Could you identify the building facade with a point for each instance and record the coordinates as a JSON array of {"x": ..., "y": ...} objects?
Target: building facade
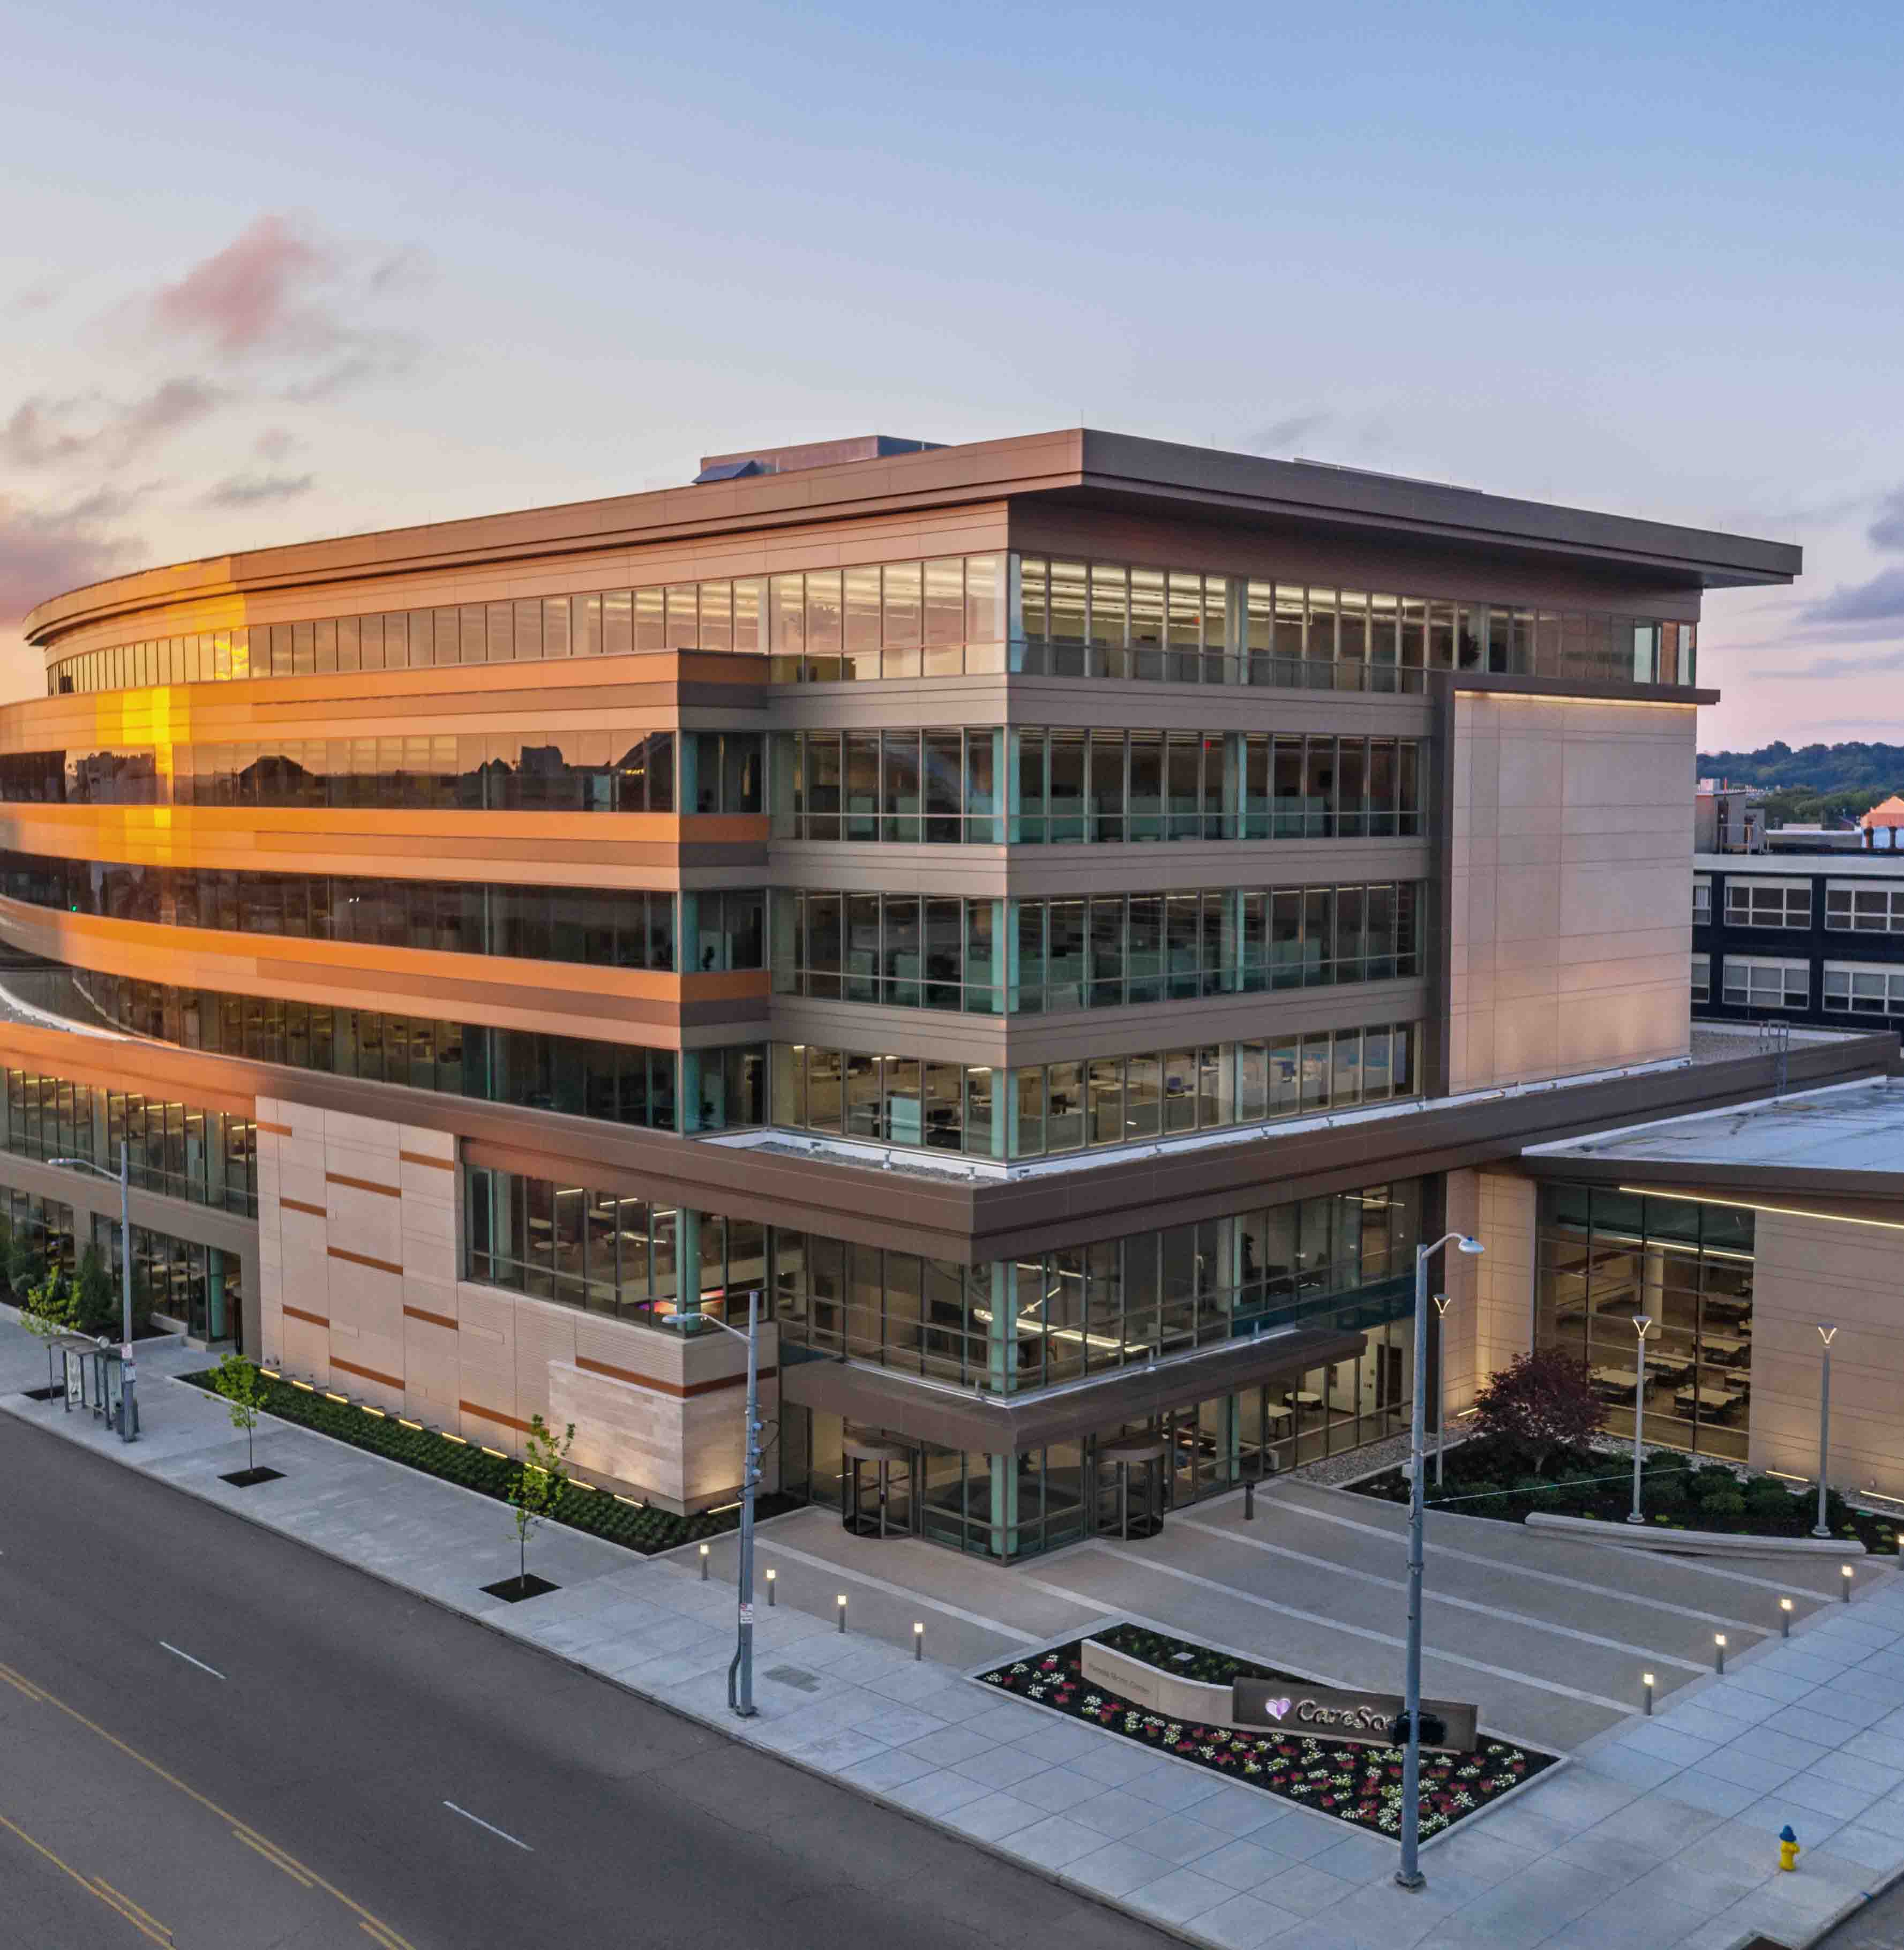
[
  {"x": 1802, "y": 940},
  {"x": 1061, "y": 918}
]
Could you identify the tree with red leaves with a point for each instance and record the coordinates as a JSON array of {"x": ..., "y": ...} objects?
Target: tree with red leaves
[{"x": 1541, "y": 1402}]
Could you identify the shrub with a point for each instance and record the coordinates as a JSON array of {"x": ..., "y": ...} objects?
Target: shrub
[
  {"x": 25, "y": 1267},
  {"x": 1770, "y": 1500},
  {"x": 1725, "y": 1503},
  {"x": 97, "y": 1305},
  {"x": 1543, "y": 1402}
]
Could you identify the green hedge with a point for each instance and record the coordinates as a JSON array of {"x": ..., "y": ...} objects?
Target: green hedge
[
  {"x": 636, "y": 1526},
  {"x": 1483, "y": 1479}
]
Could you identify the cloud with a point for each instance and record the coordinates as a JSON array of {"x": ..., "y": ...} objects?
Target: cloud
[
  {"x": 1836, "y": 665},
  {"x": 274, "y": 443},
  {"x": 252, "y": 490},
  {"x": 44, "y": 551},
  {"x": 1887, "y": 531},
  {"x": 1282, "y": 436},
  {"x": 36, "y": 297},
  {"x": 250, "y": 296},
  {"x": 284, "y": 307},
  {"x": 42, "y": 432},
  {"x": 1880, "y": 600}
]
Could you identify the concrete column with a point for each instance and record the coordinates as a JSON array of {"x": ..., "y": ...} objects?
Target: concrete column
[
  {"x": 1001, "y": 785},
  {"x": 687, "y": 1265},
  {"x": 1005, "y": 1505},
  {"x": 688, "y": 797},
  {"x": 1005, "y": 957},
  {"x": 1233, "y": 783},
  {"x": 688, "y": 1094}
]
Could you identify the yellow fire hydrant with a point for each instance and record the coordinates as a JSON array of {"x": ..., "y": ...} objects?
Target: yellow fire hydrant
[{"x": 1787, "y": 1847}]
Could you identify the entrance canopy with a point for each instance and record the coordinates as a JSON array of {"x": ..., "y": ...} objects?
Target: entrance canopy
[{"x": 953, "y": 1418}]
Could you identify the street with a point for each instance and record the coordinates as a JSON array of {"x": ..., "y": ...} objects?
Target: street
[{"x": 215, "y": 1737}]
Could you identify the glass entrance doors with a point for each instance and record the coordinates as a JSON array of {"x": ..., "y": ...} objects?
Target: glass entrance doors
[
  {"x": 1130, "y": 1486},
  {"x": 877, "y": 1483}
]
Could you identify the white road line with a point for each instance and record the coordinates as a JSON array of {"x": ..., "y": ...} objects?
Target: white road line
[
  {"x": 776, "y": 1549},
  {"x": 190, "y": 1660},
  {"x": 1648, "y": 1653},
  {"x": 1518, "y": 1570},
  {"x": 502, "y": 1832},
  {"x": 1622, "y": 1707}
]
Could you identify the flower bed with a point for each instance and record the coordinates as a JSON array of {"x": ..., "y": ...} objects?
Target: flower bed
[
  {"x": 1360, "y": 1784},
  {"x": 1482, "y": 1479},
  {"x": 601, "y": 1513}
]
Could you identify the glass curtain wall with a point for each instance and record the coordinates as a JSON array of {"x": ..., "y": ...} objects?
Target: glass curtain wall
[{"x": 1607, "y": 1256}]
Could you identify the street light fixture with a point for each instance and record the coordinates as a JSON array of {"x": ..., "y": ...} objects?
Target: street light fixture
[
  {"x": 1642, "y": 1323},
  {"x": 1409, "y": 1876},
  {"x": 1443, "y": 1301},
  {"x": 128, "y": 1402},
  {"x": 1820, "y": 1527},
  {"x": 741, "y": 1670}
]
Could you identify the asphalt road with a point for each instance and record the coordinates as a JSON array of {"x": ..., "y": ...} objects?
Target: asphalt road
[
  {"x": 209, "y": 1736},
  {"x": 1878, "y": 1926}
]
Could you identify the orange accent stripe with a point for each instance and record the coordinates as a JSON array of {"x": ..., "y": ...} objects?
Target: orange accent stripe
[
  {"x": 276, "y": 1130},
  {"x": 298, "y": 1205},
  {"x": 362, "y": 1185},
  {"x": 363, "y": 1259},
  {"x": 493, "y": 1415},
  {"x": 656, "y": 1385},
  {"x": 434, "y": 1320},
  {"x": 369, "y": 1374},
  {"x": 434, "y": 1163},
  {"x": 315, "y": 1319}
]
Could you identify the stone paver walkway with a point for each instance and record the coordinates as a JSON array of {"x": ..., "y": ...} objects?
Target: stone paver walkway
[{"x": 1659, "y": 1832}]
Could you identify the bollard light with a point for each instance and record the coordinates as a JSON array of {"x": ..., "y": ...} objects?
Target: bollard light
[
  {"x": 1718, "y": 1652},
  {"x": 1784, "y": 1617},
  {"x": 703, "y": 1564},
  {"x": 1847, "y": 1575},
  {"x": 1646, "y": 1680},
  {"x": 918, "y": 1639},
  {"x": 1249, "y": 1502},
  {"x": 840, "y": 1603},
  {"x": 771, "y": 1577}
]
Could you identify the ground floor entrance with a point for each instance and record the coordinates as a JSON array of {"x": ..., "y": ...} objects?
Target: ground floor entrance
[{"x": 1121, "y": 1481}]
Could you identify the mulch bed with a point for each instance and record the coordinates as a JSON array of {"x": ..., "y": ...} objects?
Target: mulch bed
[{"x": 1358, "y": 1784}]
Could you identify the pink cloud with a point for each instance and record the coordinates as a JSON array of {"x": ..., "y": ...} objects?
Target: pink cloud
[{"x": 250, "y": 297}]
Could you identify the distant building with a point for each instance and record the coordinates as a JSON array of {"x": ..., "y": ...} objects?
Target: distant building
[
  {"x": 1880, "y": 824},
  {"x": 1725, "y": 820}
]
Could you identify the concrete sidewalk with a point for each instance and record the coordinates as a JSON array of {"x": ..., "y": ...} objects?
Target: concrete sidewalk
[{"x": 1659, "y": 1832}]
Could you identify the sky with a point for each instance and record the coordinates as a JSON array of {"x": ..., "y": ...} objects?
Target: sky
[{"x": 273, "y": 273}]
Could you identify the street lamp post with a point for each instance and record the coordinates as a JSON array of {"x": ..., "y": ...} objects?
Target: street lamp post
[
  {"x": 1442, "y": 1302},
  {"x": 1641, "y": 1322},
  {"x": 1409, "y": 1876},
  {"x": 741, "y": 1670},
  {"x": 128, "y": 1402},
  {"x": 1821, "y": 1528}
]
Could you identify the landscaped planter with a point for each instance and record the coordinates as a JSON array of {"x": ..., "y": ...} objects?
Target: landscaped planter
[
  {"x": 1682, "y": 1499},
  {"x": 603, "y": 1513},
  {"x": 1358, "y": 1784}
]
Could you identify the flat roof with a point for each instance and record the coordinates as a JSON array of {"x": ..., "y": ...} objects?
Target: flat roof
[
  {"x": 1888, "y": 863},
  {"x": 1080, "y": 463},
  {"x": 1844, "y": 1130}
]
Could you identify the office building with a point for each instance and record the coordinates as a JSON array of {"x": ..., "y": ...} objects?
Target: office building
[{"x": 1062, "y": 917}]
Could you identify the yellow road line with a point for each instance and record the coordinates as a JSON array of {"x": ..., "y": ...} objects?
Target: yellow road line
[
  {"x": 40, "y": 1847},
  {"x": 130, "y": 1909},
  {"x": 20, "y": 1685},
  {"x": 272, "y": 1856},
  {"x": 242, "y": 1829},
  {"x": 383, "y": 1936}
]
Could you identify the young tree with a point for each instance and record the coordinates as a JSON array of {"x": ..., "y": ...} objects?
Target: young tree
[
  {"x": 245, "y": 1390},
  {"x": 1543, "y": 1401},
  {"x": 96, "y": 1305},
  {"x": 536, "y": 1486},
  {"x": 26, "y": 1267},
  {"x": 47, "y": 1310}
]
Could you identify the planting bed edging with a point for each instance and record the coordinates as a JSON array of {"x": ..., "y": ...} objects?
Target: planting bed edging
[{"x": 1642, "y": 1537}]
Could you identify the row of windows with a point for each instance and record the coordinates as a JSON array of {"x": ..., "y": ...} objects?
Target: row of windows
[
  {"x": 1004, "y": 1326},
  {"x": 1024, "y": 957},
  {"x": 208, "y": 1157},
  {"x": 1864, "y": 987},
  {"x": 1752, "y": 982},
  {"x": 1032, "y": 785},
  {"x": 897, "y": 612},
  {"x": 609, "y": 928},
  {"x": 1101, "y": 619},
  {"x": 1036, "y": 1110},
  {"x": 1851, "y": 906},
  {"x": 550, "y": 771},
  {"x": 617, "y": 1082}
]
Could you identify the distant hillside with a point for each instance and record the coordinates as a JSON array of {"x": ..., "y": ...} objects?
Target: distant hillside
[{"x": 1816, "y": 782}]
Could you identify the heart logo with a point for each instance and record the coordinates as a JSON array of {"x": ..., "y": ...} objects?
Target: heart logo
[{"x": 1276, "y": 1709}]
